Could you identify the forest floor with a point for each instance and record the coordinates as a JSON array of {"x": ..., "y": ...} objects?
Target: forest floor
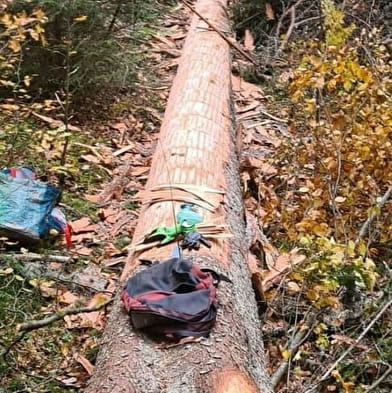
[{"x": 303, "y": 337}]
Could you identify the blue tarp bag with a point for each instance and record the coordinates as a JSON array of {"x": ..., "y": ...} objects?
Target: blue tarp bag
[{"x": 26, "y": 205}]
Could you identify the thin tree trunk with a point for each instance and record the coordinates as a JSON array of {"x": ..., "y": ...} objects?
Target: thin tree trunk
[{"x": 196, "y": 150}]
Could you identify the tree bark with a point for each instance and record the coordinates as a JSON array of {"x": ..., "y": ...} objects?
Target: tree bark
[{"x": 195, "y": 160}]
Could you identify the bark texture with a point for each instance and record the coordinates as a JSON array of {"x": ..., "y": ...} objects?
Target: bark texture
[{"x": 196, "y": 157}]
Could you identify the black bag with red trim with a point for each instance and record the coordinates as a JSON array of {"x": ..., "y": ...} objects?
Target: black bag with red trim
[{"x": 175, "y": 299}]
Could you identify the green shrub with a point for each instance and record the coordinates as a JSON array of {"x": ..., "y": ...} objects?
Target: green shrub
[{"x": 86, "y": 47}]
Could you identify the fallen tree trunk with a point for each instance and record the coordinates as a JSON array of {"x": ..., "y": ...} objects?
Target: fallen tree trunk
[{"x": 195, "y": 161}]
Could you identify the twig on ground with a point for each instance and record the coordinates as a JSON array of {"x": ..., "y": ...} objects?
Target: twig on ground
[
  {"x": 116, "y": 186},
  {"x": 222, "y": 35},
  {"x": 379, "y": 380},
  {"x": 25, "y": 327},
  {"x": 299, "y": 337},
  {"x": 372, "y": 215},
  {"x": 289, "y": 30},
  {"x": 60, "y": 314},
  {"x": 313, "y": 389},
  {"x": 284, "y": 14},
  {"x": 38, "y": 257},
  {"x": 93, "y": 149},
  {"x": 273, "y": 117},
  {"x": 78, "y": 284},
  {"x": 303, "y": 21}
]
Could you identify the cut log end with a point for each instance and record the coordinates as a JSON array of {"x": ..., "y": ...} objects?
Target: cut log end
[{"x": 232, "y": 381}]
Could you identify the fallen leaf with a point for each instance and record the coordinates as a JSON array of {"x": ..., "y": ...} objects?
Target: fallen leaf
[
  {"x": 55, "y": 123},
  {"x": 119, "y": 126},
  {"x": 91, "y": 198},
  {"x": 9, "y": 107},
  {"x": 340, "y": 199},
  {"x": 247, "y": 108},
  {"x": 246, "y": 89},
  {"x": 84, "y": 362},
  {"x": 340, "y": 338},
  {"x": 293, "y": 287},
  {"x": 68, "y": 381},
  {"x": 106, "y": 212},
  {"x": 68, "y": 298},
  {"x": 140, "y": 170},
  {"x": 84, "y": 251},
  {"x": 82, "y": 18},
  {"x": 90, "y": 158},
  {"x": 79, "y": 225},
  {"x": 95, "y": 319},
  {"x": 45, "y": 287},
  {"x": 123, "y": 150}
]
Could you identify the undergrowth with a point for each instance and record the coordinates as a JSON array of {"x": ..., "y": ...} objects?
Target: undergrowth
[{"x": 330, "y": 199}]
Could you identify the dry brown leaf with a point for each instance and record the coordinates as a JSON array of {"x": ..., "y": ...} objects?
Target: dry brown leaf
[
  {"x": 80, "y": 225},
  {"x": 248, "y": 107},
  {"x": 95, "y": 319},
  {"x": 119, "y": 126},
  {"x": 123, "y": 150},
  {"x": 139, "y": 170},
  {"x": 68, "y": 298},
  {"x": 55, "y": 123},
  {"x": 84, "y": 362},
  {"x": 90, "y": 158},
  {"x": 340, "y": 338},
  {"x": 91, "y": 198},
  {"x": 45, "y": 287},
  {"x": 282, "y": 264},
  {"x": 83, "y": 251},
  {"x": 55, "y": 265},
  {"x": 246, "y": 89},
  {"x": 261, "y": 165},
  {"x": 9, "y": 107},
  {"x": 103, "y": 214},
  {"x": 249, "y": 42},
  {"x": 164, "y": 40},
  {"x": 111, "y": 251},
  {"x": 82, "y": 236}
]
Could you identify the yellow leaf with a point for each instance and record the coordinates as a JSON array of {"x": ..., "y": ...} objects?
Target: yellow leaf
[
  {"x": 34, "y": 35},
  {"x": 297, "y": 276},
  {"x": 286, "y": 353},
  {"x": 9, "y": 107},
  {"x": 326, "y": 301},
  {"x": 27, "y": 80},
  {"x": 14, "y": 45},
  {"x": 321, "y": 229},
  {"x": 7, "y": 271},
  {"x": 347, "y": 85},
  {"x": 312, "y": 295},
  {"x": 82, "y": 18},
  {"x": 6, "y": 20},
  {"x": 293, "y": 287}
]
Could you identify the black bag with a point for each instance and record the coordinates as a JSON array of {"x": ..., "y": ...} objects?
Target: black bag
[{"x": 175, "y": 298}]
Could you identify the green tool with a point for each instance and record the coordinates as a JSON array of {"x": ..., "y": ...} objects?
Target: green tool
[{"x": 186, "y": 220}]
